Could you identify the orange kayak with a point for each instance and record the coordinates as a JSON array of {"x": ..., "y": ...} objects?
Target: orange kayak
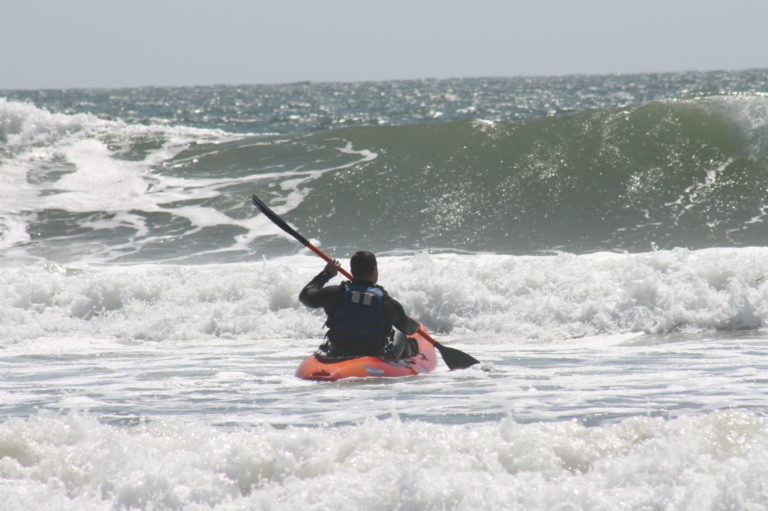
[{"x": 314, "y": 368}]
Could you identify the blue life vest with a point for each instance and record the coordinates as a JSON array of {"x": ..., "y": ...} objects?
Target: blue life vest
[{"x": 358, "y": 326}]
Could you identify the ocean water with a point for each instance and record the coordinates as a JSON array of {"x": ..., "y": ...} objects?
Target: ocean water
[{"x": 598, "y": 242}]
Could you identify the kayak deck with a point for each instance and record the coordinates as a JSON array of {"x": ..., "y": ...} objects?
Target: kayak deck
[{"x": 314, "y": 368}]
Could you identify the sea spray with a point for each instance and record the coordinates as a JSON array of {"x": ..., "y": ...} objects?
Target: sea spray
[
  {"x": 688, "y": 463},
  {"x": 528, "y": 299}
]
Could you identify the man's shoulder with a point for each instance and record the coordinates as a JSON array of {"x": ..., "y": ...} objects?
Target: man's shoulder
[
  {"x": 388, "y": 298},
  {"x": 332, "y": 289}
]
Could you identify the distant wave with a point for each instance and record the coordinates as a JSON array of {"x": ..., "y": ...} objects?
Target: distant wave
[{"x": 691, "y": 172}]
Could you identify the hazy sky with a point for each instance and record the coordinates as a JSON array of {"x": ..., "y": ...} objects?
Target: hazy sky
[{"x": 112, "y": 43}]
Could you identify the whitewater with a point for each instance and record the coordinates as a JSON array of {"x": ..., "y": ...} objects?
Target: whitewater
[{"x": 598, "y": 243}]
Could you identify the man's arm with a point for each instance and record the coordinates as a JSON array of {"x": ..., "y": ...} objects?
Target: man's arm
[
  {"x": 313, "y": 295},
  {"x": 396, "y": 314}
]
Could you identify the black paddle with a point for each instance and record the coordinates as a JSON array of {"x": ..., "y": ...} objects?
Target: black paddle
[{"x": 454, "y": 359}]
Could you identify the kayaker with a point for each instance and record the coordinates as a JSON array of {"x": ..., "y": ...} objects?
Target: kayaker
[{"x": 360, "y": 313}]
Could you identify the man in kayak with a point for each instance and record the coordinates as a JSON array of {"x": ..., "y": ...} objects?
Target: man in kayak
[{"x": 360, "y": 313}]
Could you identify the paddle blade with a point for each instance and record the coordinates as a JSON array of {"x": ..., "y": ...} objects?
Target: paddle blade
[
  {"x": 278, "y": 221},
  {"x": 455, "y": 359},
  {"x": 290, "y": 230}
]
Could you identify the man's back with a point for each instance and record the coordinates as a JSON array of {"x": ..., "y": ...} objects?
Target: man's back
[{"x": 361, "y": 328}]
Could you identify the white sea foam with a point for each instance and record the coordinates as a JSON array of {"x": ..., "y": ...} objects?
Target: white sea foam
[
  {"x": 474, "y": 298},
  {"x": 92, "y": 176},
  {"x": 716, "y": 461}
]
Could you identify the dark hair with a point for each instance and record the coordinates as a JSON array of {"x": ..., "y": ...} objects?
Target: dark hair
[{"x": 362, "y": 263}]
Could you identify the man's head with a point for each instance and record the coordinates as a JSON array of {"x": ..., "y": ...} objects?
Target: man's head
[{"x": 364, "y": 267}]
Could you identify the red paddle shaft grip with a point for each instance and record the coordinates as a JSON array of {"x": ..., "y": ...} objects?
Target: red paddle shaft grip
[{"x": 328, "y": 259}]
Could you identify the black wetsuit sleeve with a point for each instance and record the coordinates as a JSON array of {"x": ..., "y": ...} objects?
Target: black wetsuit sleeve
[
  {"x": 315, "y": 295},
  {"x": 396, "y": 314}
]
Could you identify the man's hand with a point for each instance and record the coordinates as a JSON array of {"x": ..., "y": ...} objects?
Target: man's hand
[{"x": 332, "y": 268}]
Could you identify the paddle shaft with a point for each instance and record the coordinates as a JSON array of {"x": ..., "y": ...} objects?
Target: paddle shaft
[{"x": 327, "y": 259}]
